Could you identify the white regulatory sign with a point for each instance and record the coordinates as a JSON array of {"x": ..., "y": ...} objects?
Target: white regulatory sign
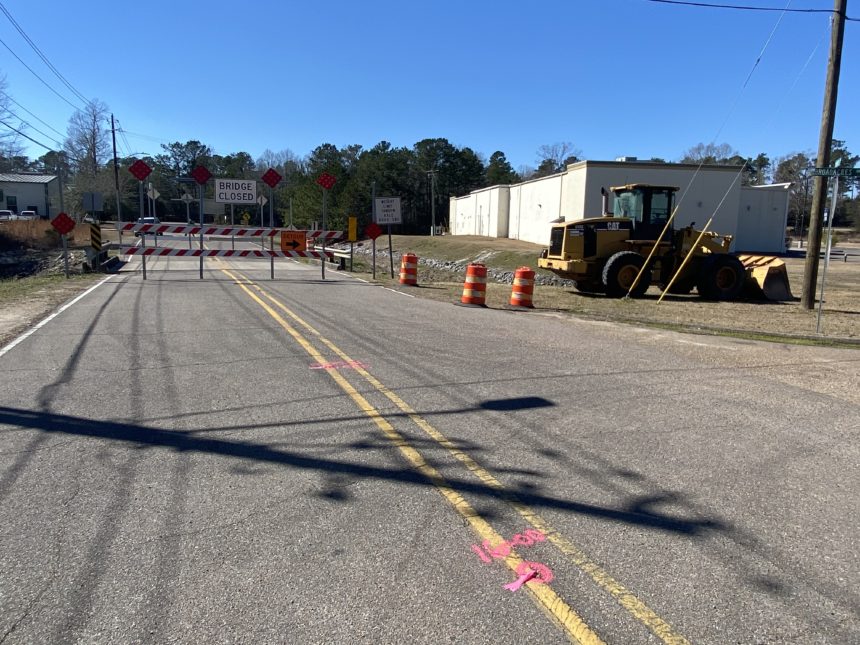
[
  {"x": 235, "y": 191},
  {"x": 388, "y": 210}
]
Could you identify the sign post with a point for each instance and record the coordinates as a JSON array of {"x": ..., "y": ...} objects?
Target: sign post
[
  {"x": 64, "y": 225},
  {"x": 187, "y": 198},
  {"x": 352, "y": 236},
  {"x": 140, "y": 170},
  {"x": 830, "y": 218},
  {"x": 153, "y": 194},
  {"x": 271, "y": 178},
  {"x": 201, "y": 176},
  {"x": 326, "y": 181},
  {"x": 262, "y": 201},
  {"x": 388, "y": 212},
  {"x": 373, "y": 231}
]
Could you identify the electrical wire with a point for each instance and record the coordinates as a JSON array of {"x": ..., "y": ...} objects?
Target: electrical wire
[
  {"x": 32, "y": 115},
  {"x": 38, "y": 143},
  {"x": 32, "y": 127},
  {"x": 3, "y": 42},
  {"x": 711, "y": 5},
  {"x": 128, "y": 148},
  {"x": 146, "y": 137},
  {"x": 43, "y": 57}
]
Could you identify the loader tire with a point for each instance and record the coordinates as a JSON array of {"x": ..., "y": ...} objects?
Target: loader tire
[
  {"x": 620, "y": 272},
  {"x": 721, "y": 277}
]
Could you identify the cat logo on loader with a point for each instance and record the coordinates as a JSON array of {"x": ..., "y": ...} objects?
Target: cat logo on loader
[{"x": 606, "y": 254}]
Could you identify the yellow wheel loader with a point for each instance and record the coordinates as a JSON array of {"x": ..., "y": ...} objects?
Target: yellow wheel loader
[{"x": 606, "y": 254}]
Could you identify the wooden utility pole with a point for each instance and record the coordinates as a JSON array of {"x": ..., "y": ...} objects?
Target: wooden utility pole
[{"x": 825, "y": 138}]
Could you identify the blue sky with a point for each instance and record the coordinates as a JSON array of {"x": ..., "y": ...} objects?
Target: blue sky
[{"x": 612, "y": 77}]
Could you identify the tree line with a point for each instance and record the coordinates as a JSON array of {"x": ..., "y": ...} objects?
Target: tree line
[{"x": 423, "y": 175}]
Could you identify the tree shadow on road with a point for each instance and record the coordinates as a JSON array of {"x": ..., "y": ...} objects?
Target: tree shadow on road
[{"x": 149, "y": 437}]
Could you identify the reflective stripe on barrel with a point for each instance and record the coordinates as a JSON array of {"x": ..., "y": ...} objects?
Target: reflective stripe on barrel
[
  {"x": 475, "y": 286},
  {"x": 409, "y": 269},
  {"x": 523, "y": 287}
]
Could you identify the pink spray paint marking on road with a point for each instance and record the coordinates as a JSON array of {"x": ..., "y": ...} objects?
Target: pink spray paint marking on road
[
  {"x": 338, "y": 365},
  {"x": 519, "y": 582},
  {"x": 531, "y": 571},
  {"x": 526, "y": 538}
]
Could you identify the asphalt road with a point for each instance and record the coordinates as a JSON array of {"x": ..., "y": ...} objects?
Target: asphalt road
[{"x": 246, "y": 460}]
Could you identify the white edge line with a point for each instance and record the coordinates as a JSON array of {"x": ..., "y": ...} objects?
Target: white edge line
[
  {"x": 400, "y": 293},
  {"x": 408, "y": 295},
  {"x": 44, "y": 322}
]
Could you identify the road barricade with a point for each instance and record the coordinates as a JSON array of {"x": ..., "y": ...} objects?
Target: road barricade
[
  {"x": 409, "y": 269},
  {"x": 475, "y": 286},
  {"x": 523, "y": 287}
]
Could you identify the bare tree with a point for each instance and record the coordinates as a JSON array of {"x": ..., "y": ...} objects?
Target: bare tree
[
  {"x": 709, "y": 153},
  {"x": 556, "y": 157},
  {"x": 271, "y": 159},
  {"x": 87, "y": 142},
  {"x": 10, "y": 141}
]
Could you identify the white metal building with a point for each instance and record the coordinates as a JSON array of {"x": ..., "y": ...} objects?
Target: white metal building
[
  {"x": 755, "y": 216},
  {"x": 25, "y": 192}
]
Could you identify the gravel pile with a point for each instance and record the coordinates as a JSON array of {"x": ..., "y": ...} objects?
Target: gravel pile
[
  {"x": 23, "y": 263},
  {"x": 459, "y": 267}
]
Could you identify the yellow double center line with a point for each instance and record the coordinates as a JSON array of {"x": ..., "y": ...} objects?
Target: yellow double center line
[{"x": 557, "y": 608}]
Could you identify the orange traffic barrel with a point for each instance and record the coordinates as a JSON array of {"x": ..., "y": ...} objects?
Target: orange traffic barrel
[
  {"x": 409, "y": 269},
  {"x": 475, "y": 286},
  {"x": 523, "y": 287}
]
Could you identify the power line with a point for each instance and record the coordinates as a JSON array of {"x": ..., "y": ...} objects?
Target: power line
[
  {"x": 42, "y": 56},
  {"x": 147, "y": 137},
  {"x": 31, "y": 126},
  {"x": 128, "y": 149},
  {"x": 711, "y": 5},
  {"x": 3, "y": 42},
  {"x": 38, "y": 143},
  {"x": 32, "y": 115}
]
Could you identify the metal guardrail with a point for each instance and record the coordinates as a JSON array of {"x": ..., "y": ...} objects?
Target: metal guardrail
[{"x": 841, "y": 253}]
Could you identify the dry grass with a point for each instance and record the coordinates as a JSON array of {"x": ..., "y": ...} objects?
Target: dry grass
[
  {"x": 39, "y": 234},
  {"x": 841, "y": 314}
]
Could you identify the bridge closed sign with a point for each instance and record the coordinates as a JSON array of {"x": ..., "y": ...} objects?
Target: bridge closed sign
[
  {"x": 388, "y": 210},
  {"x": 235, "y": 191}
]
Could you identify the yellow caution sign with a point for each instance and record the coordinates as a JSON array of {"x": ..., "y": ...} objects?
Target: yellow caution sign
[{"x": 352, "y": 230}]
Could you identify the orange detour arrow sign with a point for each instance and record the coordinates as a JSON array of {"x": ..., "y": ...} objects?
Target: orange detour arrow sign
[{"x": 294, "y": 240}]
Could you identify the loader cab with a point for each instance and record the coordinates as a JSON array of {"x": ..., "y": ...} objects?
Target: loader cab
[{"x": 648, "y": 206}]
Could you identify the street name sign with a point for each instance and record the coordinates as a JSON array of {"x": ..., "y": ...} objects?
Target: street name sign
[
  {"x": 235, "y": 191},
  {"x": 388, "y": 210},
  {"x": 837, "y": 172}
]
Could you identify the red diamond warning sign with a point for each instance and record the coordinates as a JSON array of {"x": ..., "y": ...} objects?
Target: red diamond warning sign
[
  {"x": 140, "y": 169},
  {"x": 271, "y": 177},
  {"x": 326, "y": 180},
  {"x": 63, "y": 224},
  {"x": 372, "y": 230},
  {"x": 201, "y": 174}
]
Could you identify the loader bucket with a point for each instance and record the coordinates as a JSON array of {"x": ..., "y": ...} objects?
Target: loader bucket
[{"x": 766, "y": 277}]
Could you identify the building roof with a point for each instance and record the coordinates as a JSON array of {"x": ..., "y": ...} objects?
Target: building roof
[{"x": 16, "y": 178}]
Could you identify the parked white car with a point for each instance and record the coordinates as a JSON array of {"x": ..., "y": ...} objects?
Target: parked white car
[
  {"x": 147, "y": 220},
  {"x": 28, "y": 215},
  {"x": 5, "y": 216}
]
